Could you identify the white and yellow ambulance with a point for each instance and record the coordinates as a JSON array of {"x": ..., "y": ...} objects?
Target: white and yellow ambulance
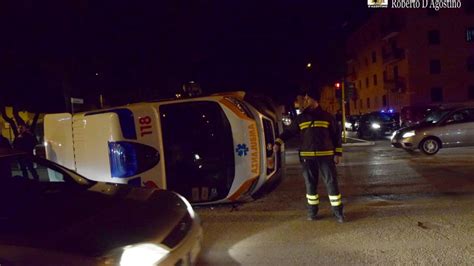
[
  {"x": 270, "y": 162},
  {"x": 208, "y": 149}
]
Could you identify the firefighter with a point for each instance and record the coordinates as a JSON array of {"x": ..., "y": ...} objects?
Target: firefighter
[{"x": 319, "y": 152}]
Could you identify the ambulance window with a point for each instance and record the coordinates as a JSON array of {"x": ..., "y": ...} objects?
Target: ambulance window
[
  {"x": 269, "y": 138},
  {"x": 198, "y": 147}
]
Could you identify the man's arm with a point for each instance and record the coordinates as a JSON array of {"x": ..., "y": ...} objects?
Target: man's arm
[{"x": 291, "y": 131}]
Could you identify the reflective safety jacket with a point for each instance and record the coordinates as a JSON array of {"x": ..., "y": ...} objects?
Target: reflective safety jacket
[{"x": 321, "y": 135}]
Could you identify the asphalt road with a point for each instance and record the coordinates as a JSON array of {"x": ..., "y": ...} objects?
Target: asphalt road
[{"x": 402, "y": 208}]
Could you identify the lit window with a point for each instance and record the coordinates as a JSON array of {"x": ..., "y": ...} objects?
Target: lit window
[{"x": 470, "y": 34}]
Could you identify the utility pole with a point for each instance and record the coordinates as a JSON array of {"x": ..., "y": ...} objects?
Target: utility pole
[
  {"x": 343, "y": 103},
  {"x": 101, "y": 101}
]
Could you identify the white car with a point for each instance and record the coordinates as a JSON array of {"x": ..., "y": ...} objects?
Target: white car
[{"x": 63, "y": 218}]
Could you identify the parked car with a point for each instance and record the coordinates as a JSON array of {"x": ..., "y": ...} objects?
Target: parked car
[
  {"x": 377, "y": 124},
  {"x": 442, "y": 128},
  {"x": 64, "y": 218},
  {"x": 352, "y": 122}
]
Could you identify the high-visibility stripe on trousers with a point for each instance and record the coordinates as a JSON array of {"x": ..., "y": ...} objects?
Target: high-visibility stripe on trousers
[
  {"x": 336, "y": 200},
  {"x": 312, "y": 199},
  {"x": 316, "y": 153}
]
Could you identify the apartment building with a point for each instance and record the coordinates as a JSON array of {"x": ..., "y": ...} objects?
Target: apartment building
[{"x": 405, "y": 57}]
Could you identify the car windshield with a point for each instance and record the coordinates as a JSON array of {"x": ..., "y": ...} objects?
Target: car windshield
[
  {"x": 384, "y": 117},
  {"x": 198, "y": 150},
  {"x": 435, "y": 116},
  {"x": 28, "y": 167}
]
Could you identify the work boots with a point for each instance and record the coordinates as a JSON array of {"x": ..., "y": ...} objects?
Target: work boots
[
  {"x": 312, "y": 212},
  {"x": 339, "y": 214}
]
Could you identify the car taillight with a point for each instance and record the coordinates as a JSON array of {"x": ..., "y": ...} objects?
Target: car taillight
[{"x": 123, "y": 159}]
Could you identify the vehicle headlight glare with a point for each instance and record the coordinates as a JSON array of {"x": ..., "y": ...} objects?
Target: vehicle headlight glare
[
  {"x": 394, "y": 134},
  {"x": 408, "y": 134},
  {"x": 375, "y": 125},
  {"x": 143, "y": 254},
  {"x": 188, "y": 206}
]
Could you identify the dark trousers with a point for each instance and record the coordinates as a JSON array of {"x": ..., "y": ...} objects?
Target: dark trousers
[{"x": 313, "y": 167}]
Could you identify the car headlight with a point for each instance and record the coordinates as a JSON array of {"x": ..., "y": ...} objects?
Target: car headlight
[
  {"x": 408, "y": 134},
  {"x": 143, "y": 254},
  {"x": 375, "y": 125},
  {"x": 286, "y": 121}
]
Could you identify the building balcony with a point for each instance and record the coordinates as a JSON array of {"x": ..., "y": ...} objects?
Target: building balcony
[
  {"x": 393, "y": 56},
  {"x": 351, "y": 75},
  {"x": 390, "y": 30},
  {"x": 396, "y": 85},
  {"x": 350, "y": 58}
]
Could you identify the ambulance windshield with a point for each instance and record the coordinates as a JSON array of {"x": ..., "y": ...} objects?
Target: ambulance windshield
[{"x": 198, "y": 149}]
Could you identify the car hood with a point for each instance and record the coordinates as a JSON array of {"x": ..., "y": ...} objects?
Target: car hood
[
  {"x": 418, "y": 126},
  {"x": 90, "y": 222}
]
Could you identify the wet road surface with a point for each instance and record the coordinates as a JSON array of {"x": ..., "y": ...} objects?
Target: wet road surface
[{"x": 402, "y": 208}]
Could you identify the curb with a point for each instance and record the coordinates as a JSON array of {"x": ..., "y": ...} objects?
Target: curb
[{"x": 358, "y": 144}]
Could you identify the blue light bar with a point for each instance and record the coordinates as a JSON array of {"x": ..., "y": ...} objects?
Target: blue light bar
[{"x": 123, "y": 159}]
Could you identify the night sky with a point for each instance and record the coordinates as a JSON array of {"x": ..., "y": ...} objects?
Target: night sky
[{"x": 145, "y": 50}]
